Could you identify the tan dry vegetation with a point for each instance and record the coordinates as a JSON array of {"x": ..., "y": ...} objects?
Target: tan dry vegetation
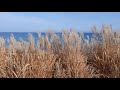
[{"x": 70, "y": 58}]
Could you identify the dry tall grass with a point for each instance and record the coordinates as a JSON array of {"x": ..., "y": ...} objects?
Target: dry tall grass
[{"x": 71, "y": 58}]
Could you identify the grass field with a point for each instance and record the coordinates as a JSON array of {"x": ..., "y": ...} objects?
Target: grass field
[{"x": 68, "y": 59}]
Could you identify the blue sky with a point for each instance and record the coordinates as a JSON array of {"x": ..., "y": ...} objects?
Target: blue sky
[{"x": 56, "y": 21}]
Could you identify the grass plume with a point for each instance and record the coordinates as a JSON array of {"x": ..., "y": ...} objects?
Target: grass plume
[{"x": 73, "y": 57}]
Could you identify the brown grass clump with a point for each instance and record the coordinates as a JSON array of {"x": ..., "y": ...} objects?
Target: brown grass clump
[
  {"x": 70, "y": 61},
  {"x": 73, "y": 57},
  {"x": 105, "y": 57}
]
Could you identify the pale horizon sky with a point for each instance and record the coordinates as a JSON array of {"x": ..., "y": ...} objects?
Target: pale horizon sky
[{"x": 56, "y": 21}]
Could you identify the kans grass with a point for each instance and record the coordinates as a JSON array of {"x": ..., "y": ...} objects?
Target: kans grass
[{"x": 69, "y": 58}]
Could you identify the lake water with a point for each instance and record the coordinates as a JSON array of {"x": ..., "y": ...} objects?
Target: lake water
[{"x": 24, "y": 35}]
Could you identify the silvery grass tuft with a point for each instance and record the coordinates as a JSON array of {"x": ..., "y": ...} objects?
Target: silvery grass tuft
[{"x": 73, "y": 56}]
